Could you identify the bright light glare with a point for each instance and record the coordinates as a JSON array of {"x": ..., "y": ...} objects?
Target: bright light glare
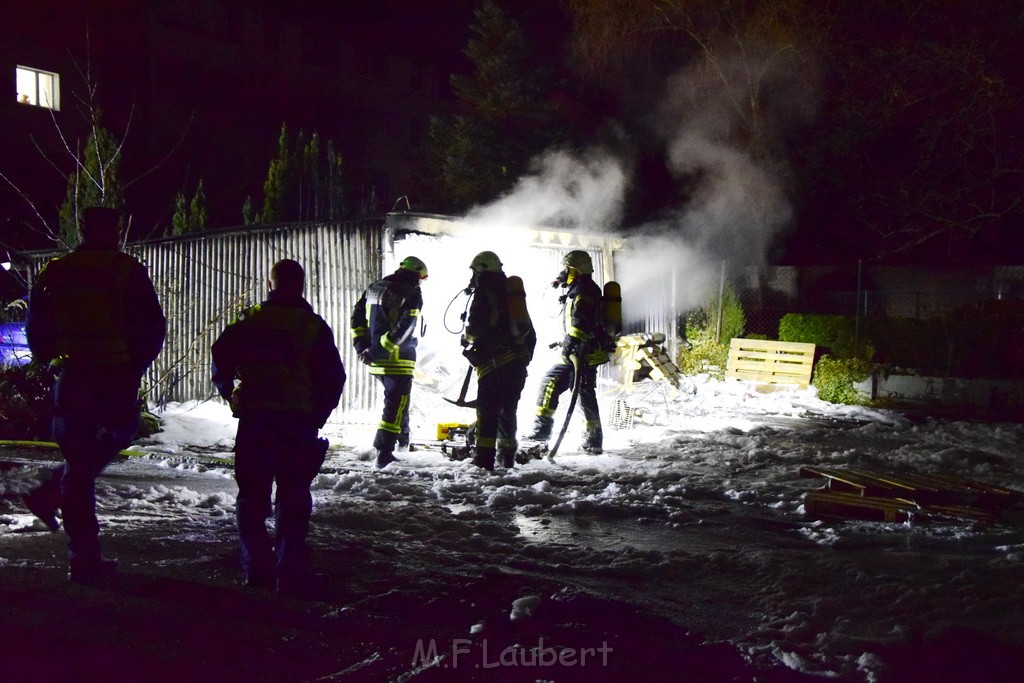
[{"x": 439, "y": 354}]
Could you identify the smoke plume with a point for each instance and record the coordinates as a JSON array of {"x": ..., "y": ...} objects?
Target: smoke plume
[
  {"x": 585, "y": 192},
  {"x": 721, "y": 126}
]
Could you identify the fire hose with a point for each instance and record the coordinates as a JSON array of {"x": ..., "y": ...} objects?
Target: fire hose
[{"x": 577, "y": 381}]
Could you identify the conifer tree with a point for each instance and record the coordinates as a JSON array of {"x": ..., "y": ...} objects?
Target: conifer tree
[{"x": 505, "y": 117}]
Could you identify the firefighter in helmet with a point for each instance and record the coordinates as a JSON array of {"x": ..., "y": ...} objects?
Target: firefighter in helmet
[
  {"x": 498, "y": 341},
  {"x": 584, "y": 348},
  {"x": 383, "y": 325},
  {"x": 95, "y": 317}
]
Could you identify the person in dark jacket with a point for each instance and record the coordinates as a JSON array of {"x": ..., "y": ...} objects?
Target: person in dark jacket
[
  {"x": 584, "y": 348},
  {"x": 279, "y": 368},
  {"x": 94, "y": 317},
  {"x": 498, "y": 341},
  {"x": 384, "y": 336}
]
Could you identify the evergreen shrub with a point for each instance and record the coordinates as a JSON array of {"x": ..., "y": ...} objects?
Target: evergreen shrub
[
  {"x": 834, "y": 379},
  {"x": 833, "y": 333}
]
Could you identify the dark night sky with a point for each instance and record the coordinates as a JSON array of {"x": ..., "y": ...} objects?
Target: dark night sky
[{"x": 837, "y": 163}]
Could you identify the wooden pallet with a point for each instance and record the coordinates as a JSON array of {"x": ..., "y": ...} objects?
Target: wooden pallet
[
  {"x": 923, "y": 489},
  {"x": 772, "y": 362},
  {"x": 891, "y": 497},
  {"x": 835, "y": 504}
]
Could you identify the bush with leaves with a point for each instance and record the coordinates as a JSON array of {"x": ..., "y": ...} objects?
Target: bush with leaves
[
  {"x": 704, "y": 351},
  {"x": 25, "y": 406},
  {"x": 987, "y": 339},
  {"x": 836, "y": 333},
  {"x": 834, "y": 379}
]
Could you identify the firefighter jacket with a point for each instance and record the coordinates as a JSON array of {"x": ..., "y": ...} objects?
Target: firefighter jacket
[
  {"x": 491, "y": 338},
  {"x": 585, "y": 335},
  {"x": 284, "y": 358},
  {"x": 95, "y": 308},
  {"x": 384, "y": 323}
]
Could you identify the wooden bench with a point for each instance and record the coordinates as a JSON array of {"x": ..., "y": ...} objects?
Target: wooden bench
[{"x": 772, "y": 362}]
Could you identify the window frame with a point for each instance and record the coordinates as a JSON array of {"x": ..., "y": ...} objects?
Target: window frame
[{"x": 45, "y": 97}]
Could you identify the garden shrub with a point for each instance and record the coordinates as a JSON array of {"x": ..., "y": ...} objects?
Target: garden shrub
[
  {"x": 701, "y": 352},
  {"x": 835, "y": 333},
  {"x": 707, "y": 357},
  {"x": 987, "y": 339},
  {"x": 25, "y": 406},
  {"x": 834, "y": 379},
  {"x": 911, "y": 343}
]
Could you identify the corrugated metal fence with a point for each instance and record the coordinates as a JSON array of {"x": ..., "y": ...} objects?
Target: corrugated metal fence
[{"x": 203, "y": 280}]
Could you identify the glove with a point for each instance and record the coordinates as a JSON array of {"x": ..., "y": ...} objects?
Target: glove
[{"x": 365, "y": 357}]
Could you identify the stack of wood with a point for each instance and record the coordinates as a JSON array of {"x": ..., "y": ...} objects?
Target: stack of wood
[{"x": 891, "y": 497}]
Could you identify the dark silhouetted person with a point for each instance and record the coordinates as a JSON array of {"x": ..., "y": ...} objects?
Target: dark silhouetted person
[
  {"x": 384, "y": 335},
  {"x": 499, "y": 341},
  {"x": 584, "y": 348},
  {"x": 279, "y": 368},
  {"x": 94, "y": 316}
]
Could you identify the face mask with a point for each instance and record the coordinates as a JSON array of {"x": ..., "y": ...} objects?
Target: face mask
[{"x": 562, "y": 279}]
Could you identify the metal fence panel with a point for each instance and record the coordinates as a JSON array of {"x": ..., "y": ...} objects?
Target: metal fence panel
[{"x": 204, "y": 280}]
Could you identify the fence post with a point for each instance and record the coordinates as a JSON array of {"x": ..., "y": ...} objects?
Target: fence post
[
  {"x": 721, "y": 304},
  {"x": 856, "y": 318}
]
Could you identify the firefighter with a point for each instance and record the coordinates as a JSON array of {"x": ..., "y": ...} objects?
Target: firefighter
[
  {"x": 279, "y": 368},
  {"x": 384, "y": 336},
  {"x": 584, "y": 348},
  {"x": 94, "y": 317},
  {"x": 498, "y": 341}
]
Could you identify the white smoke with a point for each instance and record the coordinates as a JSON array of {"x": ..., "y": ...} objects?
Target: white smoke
[
  {"x": 722, "y": 120},
  {"x": 721, "y": 123},
  {"x": 585, "y": 192}
]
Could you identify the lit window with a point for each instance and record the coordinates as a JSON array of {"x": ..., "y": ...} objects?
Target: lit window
[{"x": 38, "y": 88}]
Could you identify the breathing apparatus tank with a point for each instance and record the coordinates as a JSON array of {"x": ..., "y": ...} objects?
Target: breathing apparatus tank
[
  {"x": 519, "y": 322},
  {"x": 612, "y": 308}
]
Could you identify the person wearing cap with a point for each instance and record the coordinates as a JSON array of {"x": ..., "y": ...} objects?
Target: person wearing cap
[
  {"x": 383, "y": 327},
  {"x": 584, "y": 348},
  {"x": 278, "y": 367},
  {"x": 498, "y": 341},
  {"x": 94, "y": 317}
]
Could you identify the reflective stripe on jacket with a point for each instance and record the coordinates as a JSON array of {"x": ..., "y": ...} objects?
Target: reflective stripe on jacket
[
  {"x": 584, "y": 319},
  {"x": 384, "y": 323}
]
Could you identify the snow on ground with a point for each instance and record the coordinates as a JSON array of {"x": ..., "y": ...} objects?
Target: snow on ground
[{"x": 697, "y": 516}]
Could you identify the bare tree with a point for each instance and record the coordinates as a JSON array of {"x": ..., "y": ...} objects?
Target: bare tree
[{"x": 94, "y": 178}]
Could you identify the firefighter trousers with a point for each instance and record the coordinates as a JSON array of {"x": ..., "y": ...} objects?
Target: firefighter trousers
[
  {"x": 557, "y": 380},
  {"x": 394, "y": 421},
  {"x": 498, "y": 395}
]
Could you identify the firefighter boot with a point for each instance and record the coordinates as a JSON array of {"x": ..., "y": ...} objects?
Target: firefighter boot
[
  {"x": 484, "y": 458},
  {"x": 541, "y": 429},
  {"x": 385, "y": 458},
  {"x": 592, "y": 441},
  {"x": 507, "y": 458},
  {"x": 94, "y": 570}
]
